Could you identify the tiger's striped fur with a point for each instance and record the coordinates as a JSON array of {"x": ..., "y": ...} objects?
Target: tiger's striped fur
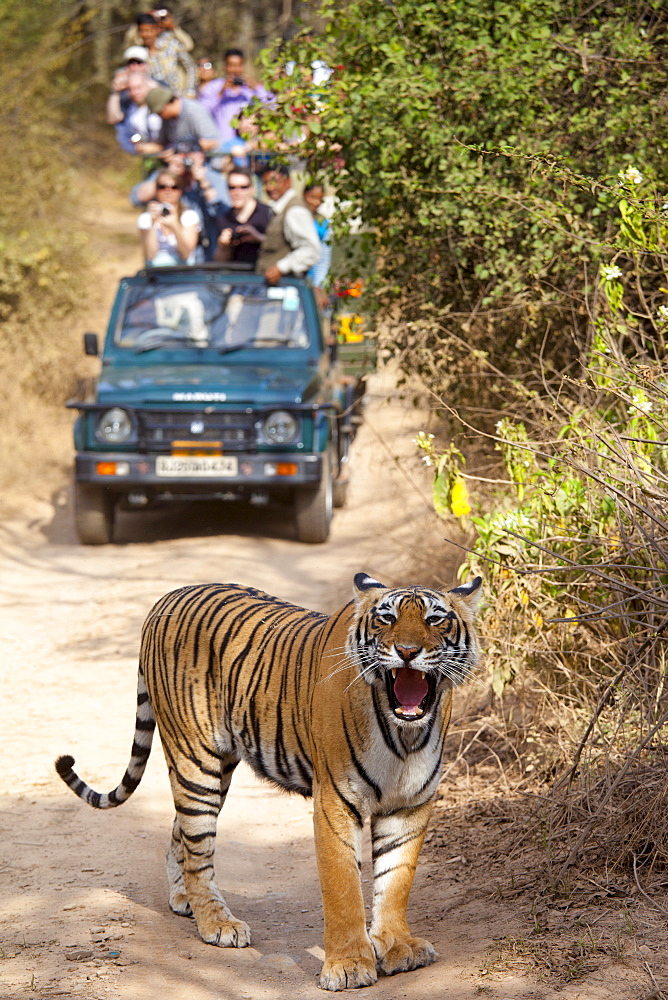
[{"x": 352, "y": 709}]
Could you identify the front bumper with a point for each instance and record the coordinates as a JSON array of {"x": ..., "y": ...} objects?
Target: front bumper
[{"x": 125, "y": 473}]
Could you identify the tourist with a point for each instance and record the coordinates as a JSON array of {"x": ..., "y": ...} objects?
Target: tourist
[
  {"x": 244, "y": 224},
  {"x": 186, "y": 125},
  {"x": 291, "y": 245},
  {"x": 225, "y": 98},
  {"x": 314, "y": 196},
  {"x": 169, "y": 232}
]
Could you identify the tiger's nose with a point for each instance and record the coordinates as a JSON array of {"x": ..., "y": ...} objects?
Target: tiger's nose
[{"x": 407, "y": 653}]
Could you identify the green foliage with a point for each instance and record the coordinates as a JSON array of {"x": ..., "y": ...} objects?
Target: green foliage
[
  {"x": 509, "y": 159},
  {"x": 575, "y": 553},
  {"x": 481, "y": 143}
]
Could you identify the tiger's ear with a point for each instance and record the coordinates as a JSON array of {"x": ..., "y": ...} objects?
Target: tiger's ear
[
  {"x": 363, "y": 585},
  {"x": 470, "y": 593}
]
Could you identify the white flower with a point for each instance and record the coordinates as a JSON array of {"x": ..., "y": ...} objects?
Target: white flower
[
  {"x": 640, "y": 402},
  {"x": 514, "y": 520},
  {"x": 610, "y": 272},
  {"x": 662, "y": 312},
  {"x": 631, "y": 175},
  {"x": 426, "y": 459}
]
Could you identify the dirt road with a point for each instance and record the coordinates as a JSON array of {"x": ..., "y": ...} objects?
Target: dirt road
[
  {"x": 83, "y": 903},
  {"x": 84, "y": 910},
  {"x": 83, "y": 907}
]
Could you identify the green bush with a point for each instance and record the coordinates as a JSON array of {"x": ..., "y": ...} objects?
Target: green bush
[
  {"x": 509, "y": 162},
  {"x": 480, "y": 143}
]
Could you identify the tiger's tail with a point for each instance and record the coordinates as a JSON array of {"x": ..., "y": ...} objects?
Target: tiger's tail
[{"x": 141, "y": 749}]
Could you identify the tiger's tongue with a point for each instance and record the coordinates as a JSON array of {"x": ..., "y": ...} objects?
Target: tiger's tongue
[{"x": 409, "y": 687}]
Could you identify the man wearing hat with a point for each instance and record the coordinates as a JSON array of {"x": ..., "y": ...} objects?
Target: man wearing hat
[
  {"x": 135, "y": 56},
  {"x": 121, "y": 103},
  {"x": 186, "y": 125},
  {"x": 139, "y": 125}
]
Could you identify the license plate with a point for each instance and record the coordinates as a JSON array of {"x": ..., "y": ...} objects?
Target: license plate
[{"x": 196, "y": 466}]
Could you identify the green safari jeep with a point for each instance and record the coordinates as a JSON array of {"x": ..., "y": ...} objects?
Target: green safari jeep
[{"x": 214, "y": 385}]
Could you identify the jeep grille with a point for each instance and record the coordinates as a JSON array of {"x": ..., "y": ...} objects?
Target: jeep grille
[{"x": 158, "y": 428}]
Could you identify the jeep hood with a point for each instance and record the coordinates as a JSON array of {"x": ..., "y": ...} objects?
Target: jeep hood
[{"x": 239, "y": 384}]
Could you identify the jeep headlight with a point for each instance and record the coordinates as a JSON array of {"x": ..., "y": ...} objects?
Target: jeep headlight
[
  {"x": 114, "y": 426},
  {"x": 280, "y": 427}
]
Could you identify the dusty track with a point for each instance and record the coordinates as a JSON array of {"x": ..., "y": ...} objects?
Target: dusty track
[{"x": 83, "y": 908}]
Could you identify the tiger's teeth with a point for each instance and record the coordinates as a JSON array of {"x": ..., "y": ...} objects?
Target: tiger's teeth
[
  {"x": 394, "y": 672},
  {"x": 422, "y": 674}
]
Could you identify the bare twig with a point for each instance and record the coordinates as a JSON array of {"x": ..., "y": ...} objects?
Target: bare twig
[{"x": 577, "y": 846}]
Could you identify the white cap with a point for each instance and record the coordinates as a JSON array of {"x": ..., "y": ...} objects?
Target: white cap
[{"x": 138, "y": 52}]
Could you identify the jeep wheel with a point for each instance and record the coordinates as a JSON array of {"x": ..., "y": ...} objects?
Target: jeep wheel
[
  {"x": 94, "y": 514},
  {"x": 313, "y": 508}
]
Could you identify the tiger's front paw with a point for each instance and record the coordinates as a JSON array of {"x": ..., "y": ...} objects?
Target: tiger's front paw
[
  {"x": 402, "y": 955},
  {"x": 348, "y": 973}
]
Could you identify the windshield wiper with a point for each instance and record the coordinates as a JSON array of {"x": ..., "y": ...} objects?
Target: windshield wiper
[
  {"x": 169, "y": 342},
  {"x": 255, "y": 342}
]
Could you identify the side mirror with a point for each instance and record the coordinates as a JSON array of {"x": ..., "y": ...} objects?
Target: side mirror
[{"x": 91, "y": 345}]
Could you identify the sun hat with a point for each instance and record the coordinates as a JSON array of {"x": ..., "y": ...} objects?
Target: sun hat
[{"x": 157, "y": 98}]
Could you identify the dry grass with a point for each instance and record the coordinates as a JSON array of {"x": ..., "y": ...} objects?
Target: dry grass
[{"x": 41, "y": 356}]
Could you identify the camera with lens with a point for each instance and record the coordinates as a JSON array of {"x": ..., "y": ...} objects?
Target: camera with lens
[
  {"x": 186, "y": 146},
  {"x": 188, "y": 162},
  {"x": 238, "y": 81},
  {"x": 165, "y": 210}
]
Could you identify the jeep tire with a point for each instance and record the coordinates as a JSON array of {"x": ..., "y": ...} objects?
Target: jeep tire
[
  {"x": 94, "y": 509},
  {"x": 313, "y": 508}
]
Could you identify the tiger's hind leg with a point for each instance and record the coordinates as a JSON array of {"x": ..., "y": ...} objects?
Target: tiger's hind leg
[
  {"x": 178, "y": 900},
  {"x": 192, "y": 884}
]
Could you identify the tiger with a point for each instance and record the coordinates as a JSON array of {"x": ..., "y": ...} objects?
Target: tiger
[{"x": 351, "y": 709}]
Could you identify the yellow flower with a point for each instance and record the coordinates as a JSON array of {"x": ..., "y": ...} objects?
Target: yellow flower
[{"x": 459, "y": 498}]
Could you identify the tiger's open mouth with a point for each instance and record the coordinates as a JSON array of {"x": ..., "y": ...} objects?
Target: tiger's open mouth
[{"x": 411, "y": 692}]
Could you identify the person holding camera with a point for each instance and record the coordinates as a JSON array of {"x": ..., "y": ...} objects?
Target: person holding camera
[
  {"x": 186, "y": 125},
  {"x": 168, "y": 58},
  {"x": 139, "y": 125},
  {"x": 204, "y": 190},
  {"x": 169, "y": 233},
  {"x": 243, "y": 226},
  {"x": 225, "y": 98}
]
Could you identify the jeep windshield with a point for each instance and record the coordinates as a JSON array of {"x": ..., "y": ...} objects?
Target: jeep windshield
[{"x": 220, "y": 316}]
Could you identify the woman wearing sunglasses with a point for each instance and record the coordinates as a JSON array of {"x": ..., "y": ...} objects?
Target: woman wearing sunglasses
[
  {"x": 243, "y": 226},
  {"x": 168, "y": 231}
]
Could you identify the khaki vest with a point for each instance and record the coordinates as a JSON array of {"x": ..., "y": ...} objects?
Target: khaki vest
[{"x": 275, "y": 246}]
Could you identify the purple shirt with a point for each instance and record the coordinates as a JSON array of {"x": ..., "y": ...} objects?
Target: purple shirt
[{"x": 223, "y": 108}]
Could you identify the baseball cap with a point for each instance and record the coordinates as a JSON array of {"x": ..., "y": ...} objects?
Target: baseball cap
[
  {"x": 138, "y": 52},
  {"x": 157, "y": 98}
]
